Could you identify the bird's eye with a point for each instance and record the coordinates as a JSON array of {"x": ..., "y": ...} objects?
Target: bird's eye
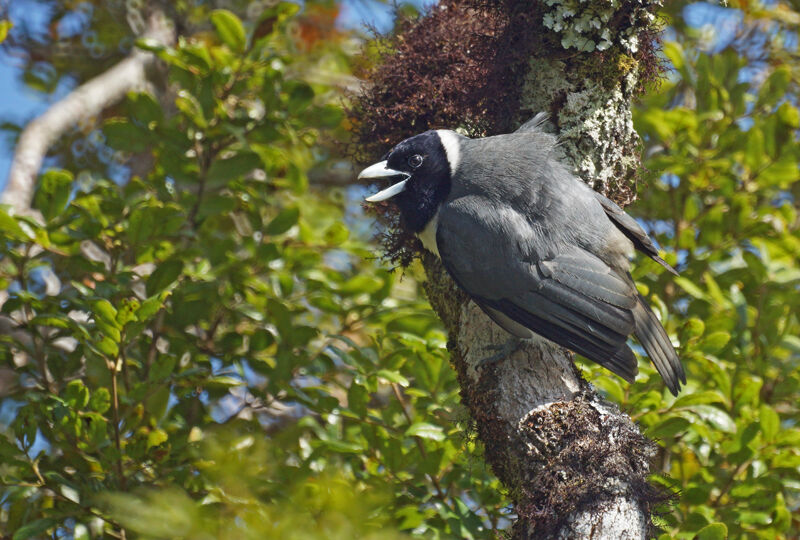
[{"x": 415, "y": 161}]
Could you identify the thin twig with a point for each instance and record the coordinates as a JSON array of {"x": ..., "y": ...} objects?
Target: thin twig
[{"x": 113, "y": 367}]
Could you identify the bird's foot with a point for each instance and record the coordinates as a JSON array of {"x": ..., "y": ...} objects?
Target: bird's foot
[{"x": 502, "y": 351}]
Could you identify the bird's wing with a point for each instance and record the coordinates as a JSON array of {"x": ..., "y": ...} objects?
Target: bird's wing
[
  {"x": 569, "y": 295},
  {"x": 632, "y": 230}
]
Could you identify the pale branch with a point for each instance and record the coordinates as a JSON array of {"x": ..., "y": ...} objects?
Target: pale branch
[{"x": 86, "y": 101}]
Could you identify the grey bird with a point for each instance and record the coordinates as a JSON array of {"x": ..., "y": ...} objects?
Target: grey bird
[{"x": 537, "y": 249}]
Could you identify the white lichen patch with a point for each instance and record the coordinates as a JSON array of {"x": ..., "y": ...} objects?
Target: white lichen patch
[
  {"x": 595, "y": 127},
  {"x": 590, "y": 25},
  {"x": 597, "y": 131}
]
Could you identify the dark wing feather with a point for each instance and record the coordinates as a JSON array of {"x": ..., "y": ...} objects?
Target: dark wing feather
[
  {"x": 632, "y": 230},
  {"x": 572, "y": 298},
  {"x": 656, "y": 342},
  {"x": 620, "y": 361}
]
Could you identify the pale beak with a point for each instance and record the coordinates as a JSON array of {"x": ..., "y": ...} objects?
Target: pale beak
[
  {"x": 380, "y": 170},
  {"x": 388, "y": 193}
]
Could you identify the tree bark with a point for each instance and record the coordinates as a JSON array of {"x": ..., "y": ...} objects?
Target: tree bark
[
  {"x": 573, "y": 464},
  {"x": 86, "y": 101}
]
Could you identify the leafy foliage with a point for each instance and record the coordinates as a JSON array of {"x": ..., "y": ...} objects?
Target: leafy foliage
[
  {"x": 723, "y": 150},
  {"x": 210, "y": 349},
  {"x": 161, "y": 329}
]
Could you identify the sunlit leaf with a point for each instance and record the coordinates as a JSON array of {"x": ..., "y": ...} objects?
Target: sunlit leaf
[{"x": 230, "y": 29}]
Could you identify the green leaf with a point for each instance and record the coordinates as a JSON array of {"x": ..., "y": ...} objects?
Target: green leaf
[
  {"x": 163, "y": 276},
  {"x": 357, "y": 399},
  {"x": 261, "y": 339},
  {"x": 230, "y": 29},
  {"x": 789, "y": 115},
  {"x": 363, "y": 283},
  {"x": 284, "y": 221},
  {"x": 674, "y": 52},
  {"x": 141, "y": 225},
  {"x": 150, "y": 44},
  {"x": 5, "y": 26},
  {"x": 344, "y": 447},
  {"x": 716, "y": 417},
  {"x": 393, "y": 377},
  {"x": 775, "y": 86},
  {"x": 102, "y": 309},
  {"x": 157, "y": 403},
  {"x": 53, "y": 193},
  {"x": 697, "y": 398},
  {"x": 223, "y": 382},
  {"x": 713, "y": 531},
  {"x": 336, "y": 234},
  {"x": 223, "y": 170},
  {"x": 156, "y": 437},
  {"x": 108, "y": 347},
  {"x": 695, "y": 327},
  {"x": 76, "y": 394},
  {"x": 10, "y": 228},
  {"x": 216, "y": 205},
  {"x": 190, "y": 106},
  {"x": 150, "y": 307},
  {"x": 34, "y": 528},
  {"x": 145, "y": 109},
  {"x": 163, "y": 368},
  {"x": 668, "y": 427},
  {"x": 109, "y": 330},
  {"x": 760, "y": 518},
  {"x": 127, "y": 311},
  {"x": 100, "y": 401},
  {"x": 715, "y": 341},
  {"x": 300, "y": 98},
  {"x": 425, "y": 430},
  {"x": 690, "y": 288},
  {"x": 98, "y": 429},
  {"x": 120, "y": 134},
  {"x": 54, "y": 320},
  {"x": 769, "y": 421}
]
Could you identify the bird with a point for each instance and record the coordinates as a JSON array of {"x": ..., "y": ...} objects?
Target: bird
[{"x": 537, "y": 249}]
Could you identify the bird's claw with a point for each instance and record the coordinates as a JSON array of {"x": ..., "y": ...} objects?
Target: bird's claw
[{"x": 503, "y": 351}]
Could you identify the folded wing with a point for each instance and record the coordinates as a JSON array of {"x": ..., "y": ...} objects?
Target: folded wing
[
  {"x": 632, "y": 230},
  {"x": 570, "y": 297}
]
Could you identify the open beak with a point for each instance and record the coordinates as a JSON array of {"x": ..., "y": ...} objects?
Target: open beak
[{"x": 380, "y": 170}]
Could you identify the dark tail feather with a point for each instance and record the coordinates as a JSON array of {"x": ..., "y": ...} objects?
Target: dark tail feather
[
  {"x": 655, "y": 341},
  {"x": 623, "y": 363}
]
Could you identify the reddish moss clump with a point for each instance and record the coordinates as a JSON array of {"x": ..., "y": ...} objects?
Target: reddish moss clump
[{"x": 442, "y": 70}]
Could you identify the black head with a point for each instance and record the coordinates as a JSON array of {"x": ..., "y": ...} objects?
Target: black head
[{"x": 421, "y": 164}]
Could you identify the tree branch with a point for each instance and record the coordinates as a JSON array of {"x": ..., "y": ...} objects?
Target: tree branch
[{"x": 88, "y": 100}]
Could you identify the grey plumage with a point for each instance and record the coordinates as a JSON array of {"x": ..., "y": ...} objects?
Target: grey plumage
[{"x": 536, "y": 248}]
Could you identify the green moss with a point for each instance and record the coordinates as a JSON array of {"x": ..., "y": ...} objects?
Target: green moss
[{"x": 626, "y": 64}]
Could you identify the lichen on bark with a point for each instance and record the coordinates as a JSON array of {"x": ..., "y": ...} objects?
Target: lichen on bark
[{"x": 594, "y": 123}]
